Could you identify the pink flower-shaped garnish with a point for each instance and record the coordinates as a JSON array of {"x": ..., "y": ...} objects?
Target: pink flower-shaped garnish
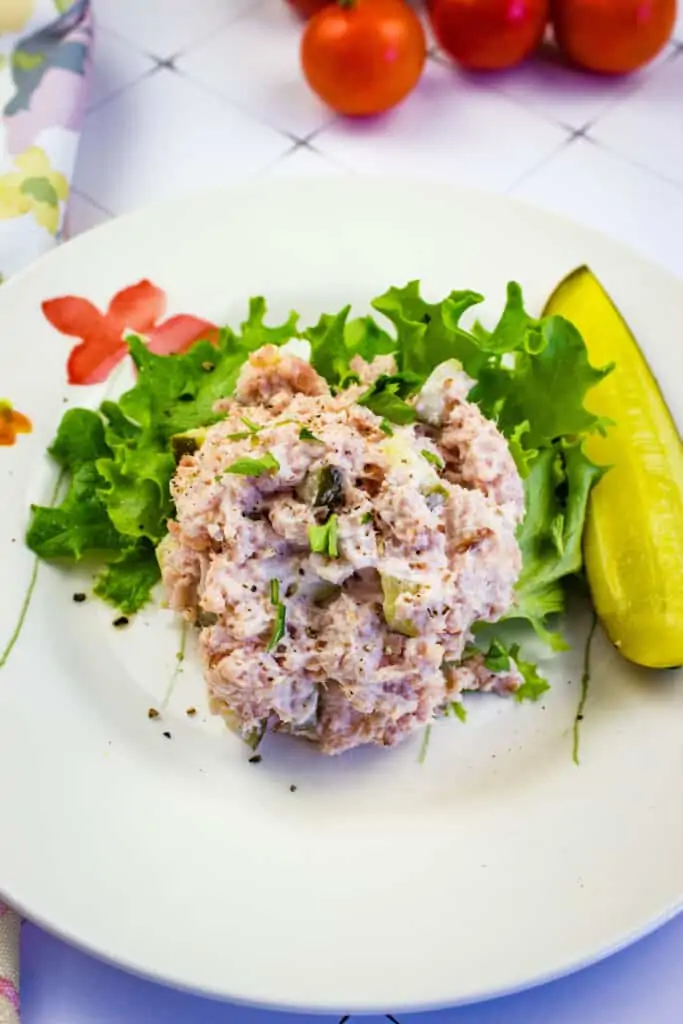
[{"x": 138, "y": 309}]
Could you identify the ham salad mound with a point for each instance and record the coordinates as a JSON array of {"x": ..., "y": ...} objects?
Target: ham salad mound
[{"x": 335, "y": 564}]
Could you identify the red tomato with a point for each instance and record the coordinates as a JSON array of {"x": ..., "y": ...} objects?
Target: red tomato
[
  {"x": 612, "y": 36},
  {"x": 363, "y": 56},
  {"x": 307, "y": 8},
  {"x": 488, "y": 35}
]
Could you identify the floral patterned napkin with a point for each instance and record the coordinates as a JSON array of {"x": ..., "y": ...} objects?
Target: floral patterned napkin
[{"x": 45, "y": 58}]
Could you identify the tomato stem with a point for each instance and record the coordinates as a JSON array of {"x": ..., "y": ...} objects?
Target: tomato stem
[{"x": 348, "y": 4}]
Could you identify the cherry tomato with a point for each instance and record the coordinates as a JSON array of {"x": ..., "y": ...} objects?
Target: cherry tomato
[
  {"x": 307, "y": 8},
  {"x": 488, "y": 35},
  {"x": 612, "y": 36},
  {"x": 363, "y": 56}
]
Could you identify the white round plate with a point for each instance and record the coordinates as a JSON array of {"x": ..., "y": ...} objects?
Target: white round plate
[{"x": 379, "y": 883}]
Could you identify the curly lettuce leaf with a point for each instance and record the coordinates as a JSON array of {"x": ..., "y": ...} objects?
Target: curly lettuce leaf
[
  {"x": 136, "y": 492},
  {"x": 515, "y": 329},
  {"x": 78, "y": 526},
  {"x": 254, "y": 333},
  {"x": 557, "y": 490},
  {"x": 502, "y": 657},
  {"x": 79, "y": 439},
  {"x": 387, "y": 397},
  {"x": 430, "y": 333},
  {"x": 545, "y": 388},
  {"x": 127, "y": 581},
  {"x": 335, "y": 340},
  {"x": 534, "y": 685}
]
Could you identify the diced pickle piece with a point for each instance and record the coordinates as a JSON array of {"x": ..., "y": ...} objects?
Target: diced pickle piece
[
  {"x": 393, "y": 589},
  {"x": 187, "y": 443}
]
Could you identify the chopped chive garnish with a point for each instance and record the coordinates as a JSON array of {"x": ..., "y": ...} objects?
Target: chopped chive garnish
[
  {"x": 278, "y": 628},
  {"x": 426, "y": 736},
  {"x": 306, "y": 435},
  {"x": 280, "y": 615},
  {"x": 274, "y": 591},
  {"x": 432, "y": 457},
  {"x": 254, "y": 467},
  {"x": 459, "y": 710},
  {"x": 252, "y": 427}
]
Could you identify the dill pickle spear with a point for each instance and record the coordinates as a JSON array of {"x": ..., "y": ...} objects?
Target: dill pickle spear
[{"x": 633, "y": 540}]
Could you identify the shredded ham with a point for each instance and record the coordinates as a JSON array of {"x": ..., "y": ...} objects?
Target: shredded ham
[{"x": 374, "y": 640}]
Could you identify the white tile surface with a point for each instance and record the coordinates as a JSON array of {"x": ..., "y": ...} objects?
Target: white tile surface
[
  {"x": 163, "y": 136},
  {"x": 567, "y": 95},
  {"x": 82, "y": 214},
  {"x": 451, "y": 128},
  {"x": 254, "y": 61},
  {"x": 304, "y": 161},
  {"x": 116, "y": 64},
  {"x": 649, "y": 127},
  {"x": 166, "y": 27},
  {"x": 591, "y": 185}
]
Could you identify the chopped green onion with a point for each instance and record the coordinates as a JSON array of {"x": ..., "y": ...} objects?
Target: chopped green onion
[
  {"x": 317, "y": 538},
  {"x": 324, "y": 540},
  {"x": 280, "y": 615},
  {"x": 386, "y": 428},
  {"x": 367, "y": 518},
  {"x": 333, "y": 537},
  {"x": 252, "y": 427},
  {"x": 278, "y": 628},
  {"x": 425, "y": 744},
  {"x": 459, "y": 710},
  {"x": 306, "y": 435},
  {"x": 251, "y": 431},
  {"x": 433, "y": 458}
]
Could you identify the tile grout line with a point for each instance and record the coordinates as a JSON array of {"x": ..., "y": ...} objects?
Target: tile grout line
[
  {"x": 168, "y": 65},
  {"x": 548, "y": 158},
  {"x": 633, "y": 162},
  {"x": 219, "y": 27},
  {"x": 304, "y": 144},
  {"x": 585, "y": 136},
  {"x": 499, "y": 90},
  {"x": 673, "y": 57},
  {"x": 245, "y": 110},
  {"x": 89, "y": 199},
  {"x": 631, "y": 89},
  {"x": 334, "y": 119},
  {"x": 119, "y": 92}
]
